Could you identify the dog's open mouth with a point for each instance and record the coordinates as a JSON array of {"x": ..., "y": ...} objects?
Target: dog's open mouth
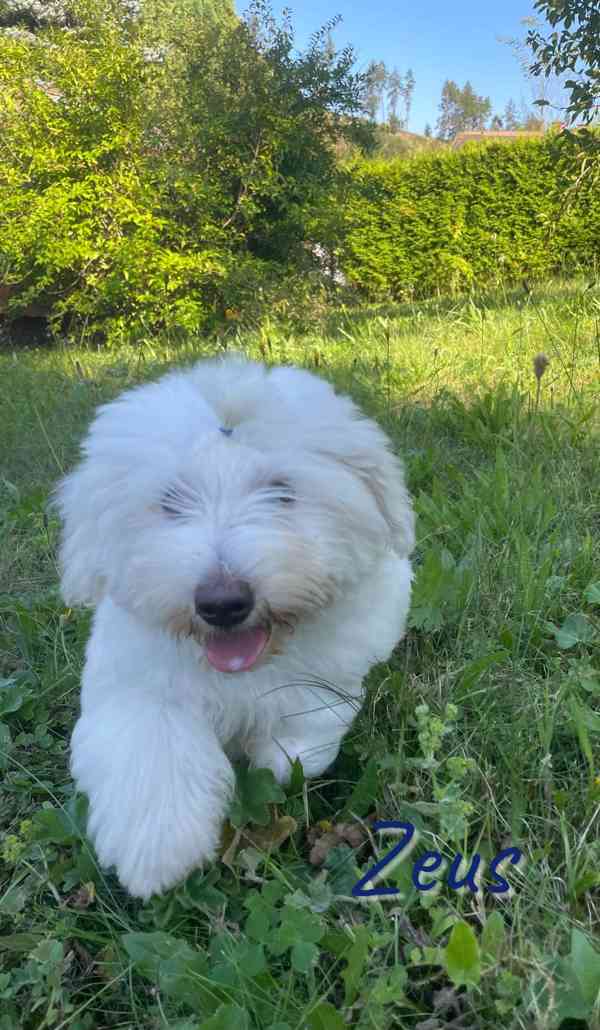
[{"x": 236, "y": 650}]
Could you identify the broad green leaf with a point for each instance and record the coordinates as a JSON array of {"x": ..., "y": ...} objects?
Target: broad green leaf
[
  {"x": 341, "y": 867},
  {"x": 262, "y": 916},
  {"x": 61, "y": 825},
  {"x": 462, "y": 956},
  {"x": 12, "y": 696},
  {"x": 176, "y": 968},
  {"x": 337, "y": 942},
  {"x": 256, "y": 789},
  {"x": 304, "y": 956},
  {"x": 576, "y": 629},
  {"x": 49, "y": 951},
  {"x": 297, "y": 924},
  {"x": 389, "y": 988},
  {"x": 592, "y": 593},
  {"x": 578, "y": 979},
  {"x": 585, "y": 961},
  {"x": 52, "y": 825},
  {"x": 227, "y": 1017},
  {"x": 325, "y": 1017}
]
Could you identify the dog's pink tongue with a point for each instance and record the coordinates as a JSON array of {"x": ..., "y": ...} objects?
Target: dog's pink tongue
[{"x": 236, "y": 651}]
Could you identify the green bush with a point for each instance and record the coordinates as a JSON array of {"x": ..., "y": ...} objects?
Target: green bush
[
  {"x": 477, "y": 217},
  {"x": 156, "y": 166}
]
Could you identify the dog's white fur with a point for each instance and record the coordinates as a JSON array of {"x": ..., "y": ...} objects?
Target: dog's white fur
[{"x": 330, "y": 572}]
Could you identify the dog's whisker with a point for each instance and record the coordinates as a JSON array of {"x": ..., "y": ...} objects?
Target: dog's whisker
[
  {"x": 310, "y": 711},
  {"x": 313, "y": 682}
]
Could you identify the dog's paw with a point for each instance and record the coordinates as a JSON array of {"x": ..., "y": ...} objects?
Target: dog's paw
[
  {"x": 279, "y": 755},
  {"x": 158, "y": 795},
  {"x": 152, "y": 851}
]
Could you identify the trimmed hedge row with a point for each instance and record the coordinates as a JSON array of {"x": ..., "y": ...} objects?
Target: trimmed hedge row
[{"x": 476, "y": 217}]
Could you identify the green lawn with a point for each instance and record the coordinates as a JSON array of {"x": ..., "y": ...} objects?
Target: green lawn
[{"x": 505, "y": 630}]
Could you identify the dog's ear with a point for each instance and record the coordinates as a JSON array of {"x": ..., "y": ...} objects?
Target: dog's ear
[
  {"x": 81, "y": 563},
  {"x": 367, "y": 452}
]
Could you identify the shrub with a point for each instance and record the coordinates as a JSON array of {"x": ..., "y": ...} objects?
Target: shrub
[
  {"x": 476, "y": 217},
  {"x": 149, "y": 158}
]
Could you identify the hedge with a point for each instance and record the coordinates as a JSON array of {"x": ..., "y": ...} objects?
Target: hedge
[{"x": 476, "y": 217}]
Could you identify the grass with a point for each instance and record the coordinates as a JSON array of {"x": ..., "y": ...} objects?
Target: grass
[{"x": 483, "y": 730}]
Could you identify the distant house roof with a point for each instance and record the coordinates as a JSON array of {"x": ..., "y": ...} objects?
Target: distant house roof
[{"x": 492, "y": 135}]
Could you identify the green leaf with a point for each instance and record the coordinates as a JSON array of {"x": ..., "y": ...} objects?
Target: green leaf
[
  {"x": 18, "y": 942},
  {"x": 337, "y": 942},
  {"x": 12, "y": 696},
  {"x": 49, "y": 951},
  {"x": 235, "y": 960},
  {"x": 52, "y": 825},
  {"x": 250, "y": 958},
  {"x": 325, "y": 1017},
  {"x": 365, "y": 790},
  {"x": 474, "y": 670},
  {"x": 14, "y": 900},
  {"x": 256, "y": 789},
  {"x": 493, "y": 936},
  {"x": 585, "y": 961},
  {"x": 200, "y": 892},
  {"x": 227, "y": 1017},
  {"x": 592, "y": 593},
  {"x": 304, "y": 956},
  {"x": 297, "y": 924},
  {"x": 580, "y": 974},
  {"x": 357, "y": 957},
  {"x": 462, "y": 956},
  {"x": 576, "y": 629},
  {"x": 297, "y": 777},
  {"x": 579, "y": 716},
  {"x": 341, "y": 866},
  {"x": 389, "y": 988},
  {"x": 5, "y": 745},
  {"x": 61, "y": 825},
  {"x": 171, "y": 964},
  {"x": 263, "y": 915}
]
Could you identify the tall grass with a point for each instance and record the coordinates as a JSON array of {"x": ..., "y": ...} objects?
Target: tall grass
[{"x": 482, "y": 730}]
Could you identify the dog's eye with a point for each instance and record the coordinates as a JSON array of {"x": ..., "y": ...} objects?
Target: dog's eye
[{"x": 284, "y": 493}]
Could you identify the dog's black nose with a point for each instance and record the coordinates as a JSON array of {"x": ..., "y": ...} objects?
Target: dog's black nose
[{"x": 224, "y": 604}]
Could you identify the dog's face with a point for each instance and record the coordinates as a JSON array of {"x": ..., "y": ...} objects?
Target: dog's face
[{"x": 228, "y": 503}]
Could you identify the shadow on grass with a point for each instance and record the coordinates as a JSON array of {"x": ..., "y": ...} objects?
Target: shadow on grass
[{"x": 523, "y": 294}]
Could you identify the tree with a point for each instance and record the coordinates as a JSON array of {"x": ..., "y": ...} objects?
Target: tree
[
  {"x": 461, "y": 110},
  {"x": 427, "y": 131},
  {"x": 545, "y": 91},
  {"x": 376, "y": 80},
  {"x": 572, "y": 47},
  {"x": 394, "y": 91},
  {"x": 496, "y": 123},
  {"x": 511, "y": 120},
  {"x": 533, "y": 123},
  {"x": 408, "y": 89},
  {"x": 178, "y": 184}
]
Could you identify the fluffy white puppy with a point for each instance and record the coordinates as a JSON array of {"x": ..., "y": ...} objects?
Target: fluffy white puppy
[{"x": 244, "y": 534}]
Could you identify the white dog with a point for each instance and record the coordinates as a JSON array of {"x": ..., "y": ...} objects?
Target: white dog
[{"x": 244, "y": 534}]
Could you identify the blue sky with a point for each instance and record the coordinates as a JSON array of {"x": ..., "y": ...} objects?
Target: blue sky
[{"x": 437, "y": 39}]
